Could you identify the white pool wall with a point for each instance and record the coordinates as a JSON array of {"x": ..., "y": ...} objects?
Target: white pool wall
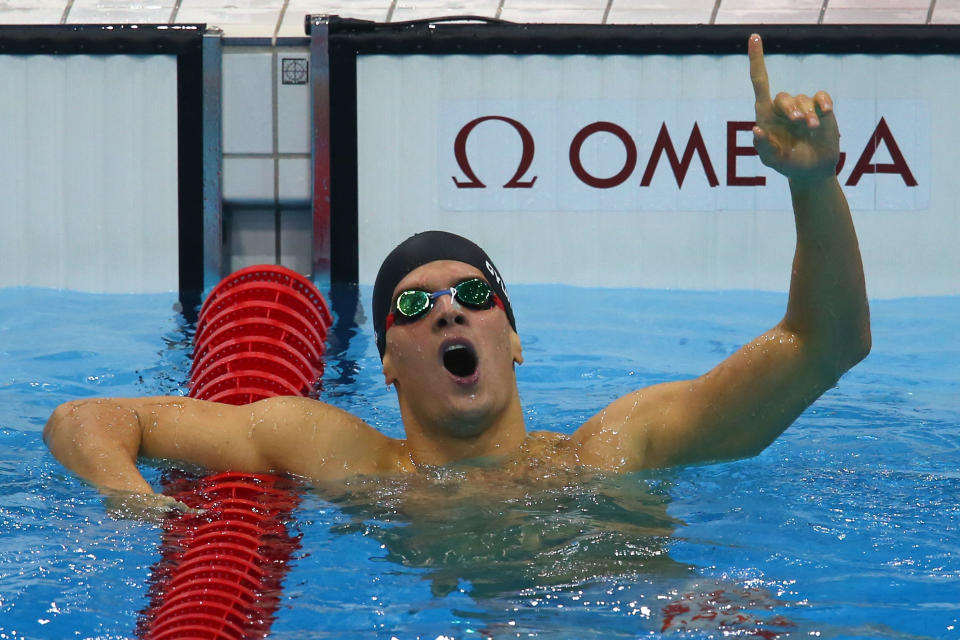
[
  {"x": 699, "y": 230},
  {"x": 266, "y": 122},
  {"x": 88, "y": 172},
  {"x": 267, "y": 175}
]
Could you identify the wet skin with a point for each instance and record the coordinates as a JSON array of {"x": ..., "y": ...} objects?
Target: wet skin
[
  {"x": 516, "y": 525},
  {"x": 446, "y": 416}
]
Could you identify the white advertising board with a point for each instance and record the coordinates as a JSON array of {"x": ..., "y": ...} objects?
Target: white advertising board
[{"x": 638, "y": 171}]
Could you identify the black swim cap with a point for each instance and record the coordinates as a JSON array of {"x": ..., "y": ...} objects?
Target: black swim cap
[{"x": 418, "y": 250}]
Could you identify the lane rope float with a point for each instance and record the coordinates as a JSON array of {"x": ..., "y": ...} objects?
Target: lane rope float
[{"x": 260, "y": 333}]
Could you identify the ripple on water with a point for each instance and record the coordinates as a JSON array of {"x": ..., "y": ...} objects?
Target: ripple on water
[{"x": 846, "y": 525}]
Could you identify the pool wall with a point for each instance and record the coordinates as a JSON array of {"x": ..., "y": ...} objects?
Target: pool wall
[
  {"x": 102, "y": 157},
  {"x": 633, "y": 165},
  {"x": 716, "y": 230},
  {"x": 74, "y": 210}
]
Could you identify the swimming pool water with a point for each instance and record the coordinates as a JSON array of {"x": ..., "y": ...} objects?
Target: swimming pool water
[{"x": 846, "y": 527}]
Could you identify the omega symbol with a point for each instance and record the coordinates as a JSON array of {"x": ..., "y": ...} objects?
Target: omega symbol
[{"x": 526, "y": 158}]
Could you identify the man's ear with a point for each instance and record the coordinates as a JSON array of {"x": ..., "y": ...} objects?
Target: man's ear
[
  {"x": 516, "y": 348},
  {"x": 388, "y": 376}
]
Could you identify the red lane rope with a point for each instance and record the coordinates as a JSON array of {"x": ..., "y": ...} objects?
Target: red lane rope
[{"x": 260, "y": 334}]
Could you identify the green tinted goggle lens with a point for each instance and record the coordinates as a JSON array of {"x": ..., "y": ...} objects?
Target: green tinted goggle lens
[
  {"x": 473, "y": 293},
  {"x": 411, "y": 303}
]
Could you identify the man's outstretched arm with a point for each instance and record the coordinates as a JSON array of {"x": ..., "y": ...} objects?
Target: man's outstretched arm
[
  {"x": 743, "y": 404},
  {"x": 101, "y": 440}
]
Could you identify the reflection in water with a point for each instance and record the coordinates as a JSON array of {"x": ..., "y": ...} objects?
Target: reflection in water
[
  {"x": 166, "y": 376},
  {"x": 348, "y": 315},
  {"x": 502, "y": 534},
  {"x": 222, "y": 568}
]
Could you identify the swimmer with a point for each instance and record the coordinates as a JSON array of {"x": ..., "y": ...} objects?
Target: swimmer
[{"x": 449, "y": 346}]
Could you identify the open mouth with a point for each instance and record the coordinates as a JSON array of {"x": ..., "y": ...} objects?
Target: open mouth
[{"x": 460, "y": 360}]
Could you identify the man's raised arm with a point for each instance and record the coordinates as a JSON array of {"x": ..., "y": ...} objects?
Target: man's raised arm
[
  {"x": 798, "y": 136},
  {"x": 744, "y": 403}
]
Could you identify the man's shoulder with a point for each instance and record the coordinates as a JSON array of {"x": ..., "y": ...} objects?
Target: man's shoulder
[
  {"x": 615, "y": 438},
  {"x": 304, "y": 411},
  {"x": 315, "y": 439}
]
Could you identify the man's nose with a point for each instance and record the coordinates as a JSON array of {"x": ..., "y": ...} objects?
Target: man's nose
[{"x": 447, "y": 312}]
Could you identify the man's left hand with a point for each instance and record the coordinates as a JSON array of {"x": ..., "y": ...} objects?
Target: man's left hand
[{"x": 796, "y": 135}]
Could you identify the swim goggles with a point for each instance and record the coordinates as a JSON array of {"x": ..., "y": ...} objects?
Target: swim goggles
[{"x": 415, "y": 303}]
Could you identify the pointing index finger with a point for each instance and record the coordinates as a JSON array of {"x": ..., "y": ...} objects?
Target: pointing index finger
[{"x": 758, "y": 69}]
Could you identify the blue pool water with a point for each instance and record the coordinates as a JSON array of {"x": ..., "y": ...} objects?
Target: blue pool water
[{"x": 847, "y": 527}]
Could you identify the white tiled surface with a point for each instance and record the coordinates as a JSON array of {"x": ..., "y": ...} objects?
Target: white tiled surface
[
  {"x": 879, "y": 12},
  {"x": 573, "y": 11},
  {"x": 681, "y": 15},
  {"x": 416, "y": 9},
  {"x": 32, "y": 12},
  {"x": 772, "y": 5},
  {"x": 100, "y": 11},
  {"x": 638, "y": 5},
  {"x": 271, "y": 124},
  {"x": 285, "y": 18},
  {"x": 297, "y": 10},
  {"x": 247, "y": 102},
  {"x": 875, "y": 16},
  {"x": 772, "y": 11},
  {"x": 251, "y": 18},
  {"x": 879, "y": 5},
  {"x": 946, "y": 12},
  {"x": 294, "y": 180},
  {"x": 296, "y": 239},
  {"x": 767, "y": 16},
  {"x": 251, "y": 238},
  {"x": 293, "y": 105},
  {"x": 31, "y": 15},
  {"x": 247, "y": 179}
]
